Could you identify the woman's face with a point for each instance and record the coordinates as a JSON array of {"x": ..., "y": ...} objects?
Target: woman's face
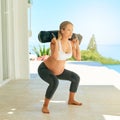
[{"x": 67, "y": 31}]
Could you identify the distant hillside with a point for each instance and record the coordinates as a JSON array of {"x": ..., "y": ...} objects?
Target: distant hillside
[
  {"x": 88, "y": 55},
  {"x": 92, "y": 54}
]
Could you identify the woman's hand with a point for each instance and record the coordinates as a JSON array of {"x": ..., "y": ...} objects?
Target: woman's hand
[
  {"x": 76, "y": 49},
  {"x": 75, "y": 43},
  {"x": 54, "y": 41}
]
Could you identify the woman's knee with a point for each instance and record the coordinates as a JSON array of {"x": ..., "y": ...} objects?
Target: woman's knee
[
  {"x": 54, "y": 83},
  {"x": 76, "y": 78}
]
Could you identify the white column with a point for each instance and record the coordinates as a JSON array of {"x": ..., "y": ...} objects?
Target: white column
[
  {"x": 1, "y": 71},
  {"x": 21, "y": 55},
  {"x": 11, "y": 54}
]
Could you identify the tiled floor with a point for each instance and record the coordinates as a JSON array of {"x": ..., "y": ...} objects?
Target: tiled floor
[
  {"x": 23, "y": 99},
  {"x": 99, "y": 91}
]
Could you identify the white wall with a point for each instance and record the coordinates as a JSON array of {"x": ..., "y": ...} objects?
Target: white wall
[
  {"x": 17, "y": 34},
  {"x": 21, "y": 39}
]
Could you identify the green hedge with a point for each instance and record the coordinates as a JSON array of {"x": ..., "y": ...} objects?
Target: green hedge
[{"x": 87, "y": 55}]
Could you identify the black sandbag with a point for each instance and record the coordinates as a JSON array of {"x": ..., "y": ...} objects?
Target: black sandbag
[{"x": 46, "y": 36}]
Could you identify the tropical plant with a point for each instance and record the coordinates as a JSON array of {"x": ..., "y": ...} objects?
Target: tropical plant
[{"x": 41, "y": 51}]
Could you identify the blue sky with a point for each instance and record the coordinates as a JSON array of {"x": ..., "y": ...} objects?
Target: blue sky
[{"x": 98, "y": 17}]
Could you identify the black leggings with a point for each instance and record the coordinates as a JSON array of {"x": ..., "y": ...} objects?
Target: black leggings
[{"x": 53, "y": 82}]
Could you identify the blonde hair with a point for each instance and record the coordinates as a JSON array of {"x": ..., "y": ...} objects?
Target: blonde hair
[
  {"x": 62, "y": 27},
  {"x": 64, "y": 24}
]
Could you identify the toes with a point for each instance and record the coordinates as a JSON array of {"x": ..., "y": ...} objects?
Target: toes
[{"x": 75, "y": 103}]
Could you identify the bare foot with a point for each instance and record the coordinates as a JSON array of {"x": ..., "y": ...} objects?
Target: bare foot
[
  {"x": 74, "y": 103},
  {"x": 45, "y": 110}
]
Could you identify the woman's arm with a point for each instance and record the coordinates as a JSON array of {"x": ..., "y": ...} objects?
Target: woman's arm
[
  {"x": 76, "y": 49},
  {"x": 54, "y": 48}
]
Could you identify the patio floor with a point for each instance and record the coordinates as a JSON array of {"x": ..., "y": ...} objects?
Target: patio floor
[{"x": 23, "y": 99}]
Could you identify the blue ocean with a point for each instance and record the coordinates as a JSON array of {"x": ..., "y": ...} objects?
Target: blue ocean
[{"x": 109, "y": 51}]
